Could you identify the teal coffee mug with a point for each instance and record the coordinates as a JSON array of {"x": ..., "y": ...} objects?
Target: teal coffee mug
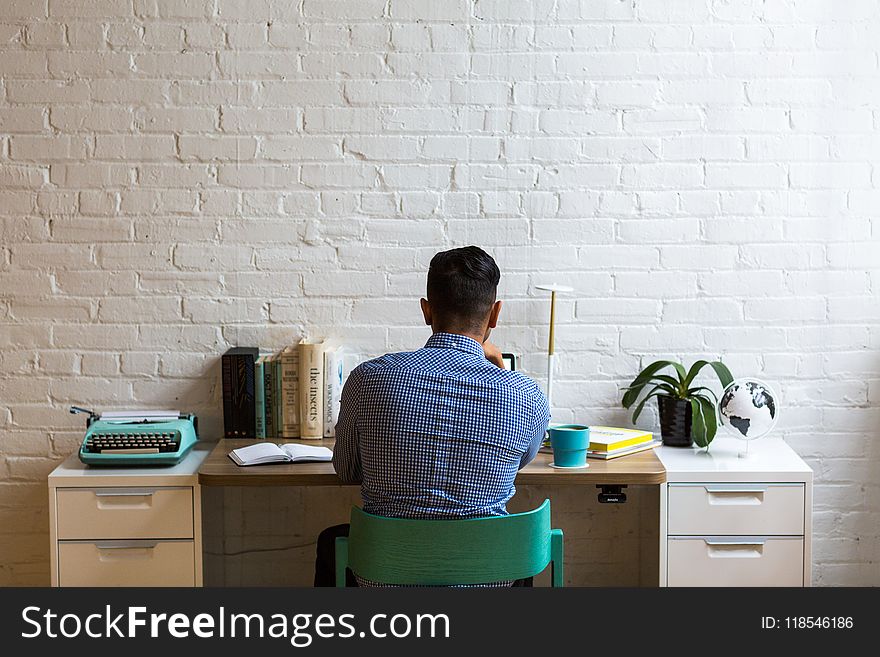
[{"x": 570, "y": 443}]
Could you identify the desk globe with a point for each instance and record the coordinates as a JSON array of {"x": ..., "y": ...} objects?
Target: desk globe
[{"x": 749, "y": 410}]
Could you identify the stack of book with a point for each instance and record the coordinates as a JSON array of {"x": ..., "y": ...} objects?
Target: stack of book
[
  {"x": 611, "y": 442},
  {"x": 293, "y": 393}
]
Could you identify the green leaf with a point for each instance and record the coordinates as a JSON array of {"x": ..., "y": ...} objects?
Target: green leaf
[
  {"x": 644, "y": 378},
  {"x": 710, "y": 419},
  {"x": 698, "y": 424},
  {"x": 655, "y": 391},
  {"x": 693, "y": 392},
  {"x": 723, "y": 373},
  {"x": 632, "y": 393},
  {"x": 695, "y": 369},
  {"x": 668, "y": 379}
]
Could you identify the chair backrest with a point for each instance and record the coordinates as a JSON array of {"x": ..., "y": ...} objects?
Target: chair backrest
[{"x": 444, "y": 552}]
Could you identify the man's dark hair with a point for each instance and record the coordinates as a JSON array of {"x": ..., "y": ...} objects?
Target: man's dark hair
[{"x": 462, "y": 284}]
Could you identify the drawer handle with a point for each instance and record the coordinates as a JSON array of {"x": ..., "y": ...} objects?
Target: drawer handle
[
  {"x": 721, "y": 542},
  {"x": 715, "y": 490},
  {"x": 735, "y": 496},
  {"x": 137, "y": 492},
  {"x": 735, "y": 549},
  {"x": 126, "y": 545}
]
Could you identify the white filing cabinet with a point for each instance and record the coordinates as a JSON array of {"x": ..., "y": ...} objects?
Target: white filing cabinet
[
  {"x": 733, "y": 521},
  {"x": 126, "y": 526}
]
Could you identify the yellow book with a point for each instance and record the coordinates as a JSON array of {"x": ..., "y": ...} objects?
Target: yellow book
[
  {"x": 607, "y": 439},
  {"x": 311, "y": 390}
]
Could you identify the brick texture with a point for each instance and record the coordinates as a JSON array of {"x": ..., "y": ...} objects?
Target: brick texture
[{"x": 178, "y": 176}]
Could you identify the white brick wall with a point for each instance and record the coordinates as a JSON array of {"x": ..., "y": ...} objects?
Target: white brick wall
[{"x": 177, "y": 176}]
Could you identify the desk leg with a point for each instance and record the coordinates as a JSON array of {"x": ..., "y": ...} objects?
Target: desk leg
[
  {"x": 662, "y": 537},
  {"x": 197, "y": 533}
]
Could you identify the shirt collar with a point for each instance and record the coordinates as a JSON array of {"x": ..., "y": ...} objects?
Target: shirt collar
[{"x": 455, "y": 341}]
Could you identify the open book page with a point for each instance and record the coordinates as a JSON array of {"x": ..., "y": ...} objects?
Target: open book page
[
  {"x": 259, "y": 453},
  {"x": 307, "y": 452},
  {"x": 266, "y": 452}
]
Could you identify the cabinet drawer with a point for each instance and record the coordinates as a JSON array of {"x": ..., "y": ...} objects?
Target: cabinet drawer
[
  {"x": 126, "y": 563},
  {"x": 116, "y": 513},
  {"x": 735, "y": 561},
  {"x": 738, "y": 509}
]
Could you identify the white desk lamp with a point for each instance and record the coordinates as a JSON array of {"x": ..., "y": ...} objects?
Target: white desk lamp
[{"x": 551, "y": 356}]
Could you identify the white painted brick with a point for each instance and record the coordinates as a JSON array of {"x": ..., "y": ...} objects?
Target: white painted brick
[
  {"x": 382, "y": 147},
  {"x": 245, "y": 176},
  {"x": 207, "y": 149},
  {"x": 699, "y": 257},
  {"x": 662, "y": 121},
  {"x": 749, "y": 119},
  {"x": 47, "y": 91},
  {"x": 789, "y": 92},
  {"x": 22, "y": 177},
  {"x": 98, "y": 119},
  {"x": 173, "y": 8},
  {"x": 416, "y": 205},
  {"x": 830, "y": 175},
  {"x": 99, "y": 364},
  {"x": 746, "y": 176},
  {"x": 577, "y": 122},
  {"x": 789, "y": 147},
  {"x": 501, "y": 37},
  {"x": 662, "y": 176},
  {"x": 369, "y": 93},
  {"x": 25, "y": 65},
  {"x": 95, "y": 283},
  {"x": 51, "y": 202},
  {"x": 342, "y": 120},
  {"x": 152, "y": 147},
  {"x": 658, "y": 230},
  {"x": 590, "y": 66},
  {"x": 742, "y": 338},
  {"x": 225, "y": 311},
  {"x": 784, "y": 310},
  {"x": 554, "y": 93},
  {"x": 506, "y": 10},
  {"x": 707, "y": 93}
]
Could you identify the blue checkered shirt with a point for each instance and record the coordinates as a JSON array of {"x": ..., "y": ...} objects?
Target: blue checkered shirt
[{"x": 439, "y": 432}]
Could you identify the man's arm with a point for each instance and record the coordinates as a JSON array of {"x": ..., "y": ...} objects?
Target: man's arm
[
  {"x": 346, "y": 452},
  {"x": 539, "y": 423}
]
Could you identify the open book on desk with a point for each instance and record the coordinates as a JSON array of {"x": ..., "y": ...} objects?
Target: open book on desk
[{"x": 260, "y": 453}]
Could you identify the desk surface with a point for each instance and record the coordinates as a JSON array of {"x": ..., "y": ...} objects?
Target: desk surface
[{"x": 219, "y": 470}]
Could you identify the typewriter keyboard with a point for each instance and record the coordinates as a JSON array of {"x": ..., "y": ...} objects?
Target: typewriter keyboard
[{"x": 133, "y": 443}]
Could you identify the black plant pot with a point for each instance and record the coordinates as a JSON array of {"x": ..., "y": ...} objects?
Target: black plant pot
[{"x": 675, "y": 421}]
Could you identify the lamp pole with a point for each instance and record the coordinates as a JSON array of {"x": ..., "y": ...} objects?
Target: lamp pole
[{"x": 551, "y": 350}]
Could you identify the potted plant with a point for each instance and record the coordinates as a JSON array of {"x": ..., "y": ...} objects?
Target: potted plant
[{"x": 687, "y": 412}]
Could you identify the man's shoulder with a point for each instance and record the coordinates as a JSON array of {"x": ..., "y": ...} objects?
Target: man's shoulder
[
  {"x": 384, "y": 362},
  {"x": 425, "y": 359}
]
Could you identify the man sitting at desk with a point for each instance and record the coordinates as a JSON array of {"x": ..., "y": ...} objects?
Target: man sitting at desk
[{"x": 439, "y": 432}]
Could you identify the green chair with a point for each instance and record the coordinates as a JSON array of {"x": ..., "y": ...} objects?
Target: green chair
[{"x": 449, "y": 552}]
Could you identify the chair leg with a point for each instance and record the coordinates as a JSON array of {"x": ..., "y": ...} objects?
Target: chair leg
[
  {"x": 557, "y": 558},
  {"x": 341, "y": 560}
]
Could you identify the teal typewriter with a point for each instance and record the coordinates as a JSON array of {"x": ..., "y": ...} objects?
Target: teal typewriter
[{"x": 142, "y": 438}]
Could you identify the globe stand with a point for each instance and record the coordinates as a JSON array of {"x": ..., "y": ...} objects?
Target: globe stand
[{"x": 746, "y": 454}]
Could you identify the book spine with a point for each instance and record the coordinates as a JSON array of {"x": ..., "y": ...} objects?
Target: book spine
[
  {"x": 259, "y": 400},
  {"x": 226, "y": 368},
  {"x": 311, "y": 391},
  {"x": 332, "y": 391},
  {"x": 239, "y": 411},
  {"x": 269, "y": 397},
  {"x": 290, "y": 420},
  {"x": 279, "y": 399}
]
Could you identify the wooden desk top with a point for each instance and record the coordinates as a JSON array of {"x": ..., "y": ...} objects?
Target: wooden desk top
[{"x": 219, "y": 470}]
